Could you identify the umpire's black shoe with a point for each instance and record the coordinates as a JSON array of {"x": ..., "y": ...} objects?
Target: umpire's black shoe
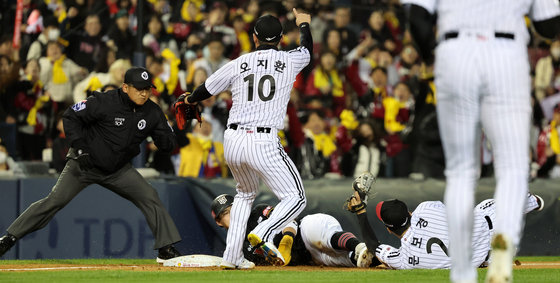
[
  {"x": 6, "y": 243},
  {"x": 166, "y": 253}
]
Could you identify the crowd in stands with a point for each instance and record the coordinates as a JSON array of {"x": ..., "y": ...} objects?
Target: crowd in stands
[{"x": 365, "y": 103}]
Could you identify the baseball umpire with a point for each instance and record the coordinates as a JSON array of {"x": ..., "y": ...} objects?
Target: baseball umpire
[
  {"x": 261, "y": 82},
  {"x": 105, "y": 132}
]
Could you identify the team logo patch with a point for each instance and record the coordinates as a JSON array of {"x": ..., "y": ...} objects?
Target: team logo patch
[
  {"x": 222, "y": 200},
  {"x": 119, "y": 121},
  {"x": 141, "y": 124},
  {"x": 79, "y": 106},
  {"x": 144, "y": 75}
]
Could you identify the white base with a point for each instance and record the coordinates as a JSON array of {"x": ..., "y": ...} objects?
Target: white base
[{"x": 194, "y": 261}]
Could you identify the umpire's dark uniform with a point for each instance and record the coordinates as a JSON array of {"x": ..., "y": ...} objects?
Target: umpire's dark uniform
[{"x": 105, "y": 132}]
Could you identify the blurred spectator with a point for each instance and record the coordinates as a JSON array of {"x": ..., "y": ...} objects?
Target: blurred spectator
[
  {"x": 216, "y": 113},
  {"x": 215, "y": 26},
  {"x": 332, "y": 42},
  {"x": 6, "y": 48},
  {"x": 203, "y": 156},
  {"x": 8, "y": 83},
  {"x": 379, "y": 32},
  {"x": 548, "y": 148},
  {"x": 365, "y": 154},
  {"x": 84, "y": 8},
  {"x": 319, "y": 21},
  {"x": 240, "y": 27},
  {"x": 547, "y": 73},
  {"x": 313, "y": 158},
  {"x": 86, "y": 45},
  {"x": 35, "y": 113},
  {"x": 213, "y": 56},
  {"x": 342, "y": 22},
  {"x": 8, "y": 167},
  {"x": 120, "y": 36},
  {"x": 59, "y": 74},
  {"x": 371, "y": 103},
  {"x": 397, "y": 114},
  {"x": 325, "y": 87},
  {"x": 51, "y": 32},
  {"x": 95, "y": 81},
  {"x": 405, "y": 67},
  {"x": 157, "y": 38}
]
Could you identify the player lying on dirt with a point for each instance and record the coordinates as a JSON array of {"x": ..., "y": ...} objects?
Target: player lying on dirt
[
  {"x": 423, "y": 233},
  {"x": 316, "y": 239}
]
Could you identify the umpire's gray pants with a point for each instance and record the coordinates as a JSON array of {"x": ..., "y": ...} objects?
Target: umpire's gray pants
[{"x": 126, "y": 182}]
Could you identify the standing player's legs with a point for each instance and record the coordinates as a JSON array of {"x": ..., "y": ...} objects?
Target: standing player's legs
[
  {"x": 281, "y": 175},
  {"x": 38, "y": 214},
  {"x": 235, "y": 145},
  {"x": 457, "y": 84},
  {"x": 129, "y": 184},
  {"x": 505, "y": 115}
]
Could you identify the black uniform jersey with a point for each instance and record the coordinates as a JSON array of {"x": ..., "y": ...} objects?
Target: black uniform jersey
[
  {"x": 261, "y": 212},
  {"x": 113, "y": 127}
]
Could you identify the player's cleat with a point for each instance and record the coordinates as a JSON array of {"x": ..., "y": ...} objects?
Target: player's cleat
[
  {"x": 166, "y": 253},
  {"x": 540, "y": 202},
  {"x": 362, "y": 256},
  {"x": 270, "y": 251},
  {"x": 245, "y": 264},
  {"x": 501, "y": 258},
  {"x": 285, "y": 248},
  {"x": 6, "y": 243}
]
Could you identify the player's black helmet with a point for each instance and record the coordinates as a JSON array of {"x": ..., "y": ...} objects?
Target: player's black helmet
[
  {"x": 220, "y": 204},
  {"x": 268, "y": 29},
  {"x": 394, "y": 214}
]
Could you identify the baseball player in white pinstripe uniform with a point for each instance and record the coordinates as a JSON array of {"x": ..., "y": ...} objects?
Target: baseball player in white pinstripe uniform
[
  {"x": 260, "y": 83},
  {"x": 424, "y": 234},
  {"x": 482, "y": 80}
]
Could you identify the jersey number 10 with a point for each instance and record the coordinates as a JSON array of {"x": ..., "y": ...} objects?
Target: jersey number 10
[{"x": 251, "y": 79}]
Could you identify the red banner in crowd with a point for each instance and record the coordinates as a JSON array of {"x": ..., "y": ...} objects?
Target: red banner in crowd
[{"x": 17, "y": 25}]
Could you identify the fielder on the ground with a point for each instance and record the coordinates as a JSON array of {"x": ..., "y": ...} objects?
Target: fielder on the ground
[{"x": 424, "y": 235}]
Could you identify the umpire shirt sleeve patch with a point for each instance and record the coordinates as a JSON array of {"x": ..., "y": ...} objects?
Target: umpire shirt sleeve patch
[{"x": 79, "y": 106}]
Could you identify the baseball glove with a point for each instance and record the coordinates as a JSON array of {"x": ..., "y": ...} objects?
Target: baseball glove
[
  {"x": 362, "y": 185},
  {"x": 185, "y": 112}
]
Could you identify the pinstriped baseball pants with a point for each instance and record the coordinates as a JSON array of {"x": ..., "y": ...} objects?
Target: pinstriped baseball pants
[
  {"x": 483, "y": 84},
  {"x": 252, "y": 156}
]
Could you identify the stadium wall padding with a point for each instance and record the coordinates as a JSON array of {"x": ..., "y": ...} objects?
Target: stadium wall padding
[{"x": 100, "y": 224}]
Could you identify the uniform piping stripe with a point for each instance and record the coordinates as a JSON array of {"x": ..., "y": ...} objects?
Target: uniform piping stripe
[{"x": 296, "y": 207}]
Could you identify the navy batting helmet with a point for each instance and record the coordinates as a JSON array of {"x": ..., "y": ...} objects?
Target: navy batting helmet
[
  {"x": 268, "y": 29},
  {"x": 220, "y": 204}
]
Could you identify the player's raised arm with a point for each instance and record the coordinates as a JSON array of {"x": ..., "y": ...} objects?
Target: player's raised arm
[{"x": 302, "y": 21}]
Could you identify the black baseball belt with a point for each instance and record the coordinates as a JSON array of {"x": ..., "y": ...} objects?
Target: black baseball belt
[
  {"x": 455, "y": 34},
  {"x": 259, "y": 129}
]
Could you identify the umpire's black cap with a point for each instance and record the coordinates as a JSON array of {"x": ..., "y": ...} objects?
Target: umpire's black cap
[
  {"x": 393, "y": 213},
  {"x": 268, "y": 29},
  {"x": 220, "y": 204},
  {"x": 139, "y": 78}
]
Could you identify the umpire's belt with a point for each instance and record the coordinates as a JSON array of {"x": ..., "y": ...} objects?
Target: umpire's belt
[
  {"x": 455, "y": 34},
  {"x": 259, "y": 129}
]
